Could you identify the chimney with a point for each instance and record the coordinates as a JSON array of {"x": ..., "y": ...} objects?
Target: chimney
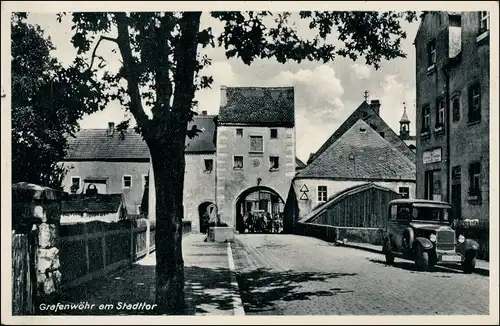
[
  {"x": 223, "y": 95},
  {"x": 111, "y": 128},
  {"x": 204, "y": 112},
  {"x": 375, "y": 105}
]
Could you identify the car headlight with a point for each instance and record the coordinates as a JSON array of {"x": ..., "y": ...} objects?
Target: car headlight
[
  {"x": 461, "y": 238},
  {"x": 432, "y": 237}
]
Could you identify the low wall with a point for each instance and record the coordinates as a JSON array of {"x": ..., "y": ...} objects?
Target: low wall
[{"x": 335, "y": 233}]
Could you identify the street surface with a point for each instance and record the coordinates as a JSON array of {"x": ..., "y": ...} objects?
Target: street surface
[{"x": 298, "y": 275}]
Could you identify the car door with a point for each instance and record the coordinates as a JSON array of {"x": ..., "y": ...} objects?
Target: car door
[{"x": 399, "y": 220}]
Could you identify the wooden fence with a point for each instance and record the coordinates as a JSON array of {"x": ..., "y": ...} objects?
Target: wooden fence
[
  {"x": 23, "y": 273},
  {"x": 91, "y": 250}
]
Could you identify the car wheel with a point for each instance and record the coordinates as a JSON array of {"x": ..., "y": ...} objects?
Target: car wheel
[
  {"x": 469, "y": 265},
  {"x": 422, "y": 259},
  {"x": 389, "y": 255}
]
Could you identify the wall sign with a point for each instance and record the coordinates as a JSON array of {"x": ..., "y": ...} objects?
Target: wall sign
[
  {"x": 304, "y": 196},
  {"x": 304, "y": 189},
  {"x": 432, "y": 156}
]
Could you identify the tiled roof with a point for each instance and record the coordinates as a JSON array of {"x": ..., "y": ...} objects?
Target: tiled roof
[
  {"x": 259, "y": 106},
  {"x": 95, "y": 144},
  {"x": 101, "y": 203},
  {"x": 362, "y": 155},
  {"x": 204, "y": 140},
  {"x": 299, "y": 164},
  {"x": 365, "y": 112}
]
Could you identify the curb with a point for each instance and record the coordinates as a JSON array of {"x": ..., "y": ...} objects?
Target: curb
[
  {"x": 237, "y": 302},
  {"x": 479, "y": 270}
]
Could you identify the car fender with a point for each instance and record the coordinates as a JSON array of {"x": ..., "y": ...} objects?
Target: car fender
[
  {"x": 467, "y": 246},
  {"x": 424, "y": 242}
]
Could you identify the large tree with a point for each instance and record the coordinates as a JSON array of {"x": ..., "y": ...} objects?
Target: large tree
[
  {"x": 48, "y": 100},
  {"x": 162, "y": 67}
]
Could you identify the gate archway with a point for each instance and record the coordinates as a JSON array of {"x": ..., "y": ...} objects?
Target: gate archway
[
  {"x": 207, "y": 212},
  {"x": 258, "y": 198}
]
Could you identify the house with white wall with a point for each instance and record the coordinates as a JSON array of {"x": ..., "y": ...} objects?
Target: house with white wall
[
  {"x": 361, "y": 152},
  {"x": 111, "y": 161}
]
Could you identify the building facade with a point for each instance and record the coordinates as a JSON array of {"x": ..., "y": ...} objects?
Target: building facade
[
  {"x": 255, "y": 151},
  {"x": 113, "y": 162},
  {"x": 358, "y": 156},
  {"x": 452, "y": 66}
]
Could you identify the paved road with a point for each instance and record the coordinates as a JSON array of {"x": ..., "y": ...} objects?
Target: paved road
[{"x": 297, "y": 275}]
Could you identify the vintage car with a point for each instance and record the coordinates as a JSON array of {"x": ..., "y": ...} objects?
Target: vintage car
[{"x": 421, "y": 231}]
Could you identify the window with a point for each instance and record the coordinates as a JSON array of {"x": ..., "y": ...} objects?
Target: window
[
  {"x": 432, "y": 53},
  {"x": 256, "y": 144},
  {"x": 484, "y": 21},
  {"x": 475, "y": 179},
  {"x": 456, "y": 110},
  {"x": 145, "y": 181},
  {"x": 239, "y": 132},
  {"x": 75, "y": 184},
  {"x": 273, "y": 162},
  {"x": 440, "y": 115},
  {"x": 274, "y": 133},
  {"x": 403, "y": 213},
  {"x": 404, "y": 192},
  {"x": 426, "y": 121},
  {"x": 474, "y": 103},
  {"x": 322, "y": 193},
  {"x": 209, "y": 165},
  {"x": 127, "y": 181},
  {"x": 238, "y": 163}
]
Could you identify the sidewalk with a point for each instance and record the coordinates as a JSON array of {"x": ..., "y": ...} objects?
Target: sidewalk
[
  {"x": 211, "y": 287},
  {"x": 482, "y": 266}
]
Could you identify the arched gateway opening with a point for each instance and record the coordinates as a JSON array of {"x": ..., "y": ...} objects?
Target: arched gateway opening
[
  {"x": 206, "y": 212},
  {"x": 256, "y": 202}
]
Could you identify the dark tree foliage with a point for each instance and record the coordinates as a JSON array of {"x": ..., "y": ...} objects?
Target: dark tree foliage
[
  {"x": 161, "y": 69},
  {"x": 47, "y": 102}
]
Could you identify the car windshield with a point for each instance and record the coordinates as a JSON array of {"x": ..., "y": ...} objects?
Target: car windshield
[{"x": 430, "y": 214}]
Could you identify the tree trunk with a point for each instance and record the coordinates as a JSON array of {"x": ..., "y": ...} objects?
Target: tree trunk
[{"x": 169, "y": 166}]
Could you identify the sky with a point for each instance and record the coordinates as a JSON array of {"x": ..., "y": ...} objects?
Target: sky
[{"x": 325, "y": 94}]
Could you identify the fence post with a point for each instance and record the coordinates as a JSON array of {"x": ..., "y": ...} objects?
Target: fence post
[
  {"x": 86, "y": 243},
  {"x": 132, "y": 253},
  {"x": 104, "y": 251},
  {"x": 38, "y": 209},
  {"x": 148, "y": 238}
]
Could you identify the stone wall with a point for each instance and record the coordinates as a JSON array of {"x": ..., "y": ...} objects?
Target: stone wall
[{"x": 37, "y": 210}]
